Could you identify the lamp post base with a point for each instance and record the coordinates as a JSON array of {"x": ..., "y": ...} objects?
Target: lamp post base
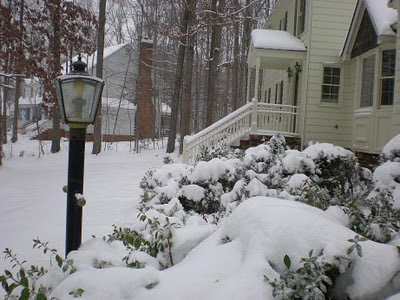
[{"x": 76, "y": 160}]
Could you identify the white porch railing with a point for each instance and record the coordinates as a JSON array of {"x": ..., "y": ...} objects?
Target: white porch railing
[{"x": 252, "y": 118}]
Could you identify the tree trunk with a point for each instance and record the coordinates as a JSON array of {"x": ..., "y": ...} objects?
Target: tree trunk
[
  {"x": 188, "y": 72},
  {"x": 55, "y": 142},
  {"x": 245, "y": 45},
  {"x": 99, "y": 73},
  {"x": 215, "y": 51},
  {"x": 14, "y": 137},
  {"x": 177, "y": 84},
  {"x": 18, "y": 70},
  {"x": 236, "y": 66},
  {"x": 1, "y": 120}
]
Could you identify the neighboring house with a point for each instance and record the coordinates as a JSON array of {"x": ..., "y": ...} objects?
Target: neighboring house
[
  {"x": 320, "y": 71},
  {"x": 118, "y": 120},
  {"x": 30, "y": 103},
  {"x": 120, "y": 71}
]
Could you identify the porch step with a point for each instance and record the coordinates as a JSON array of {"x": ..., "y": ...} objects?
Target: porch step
[
  {"x": 367, "y": 160},
  {"x": 257, "y": 139}
]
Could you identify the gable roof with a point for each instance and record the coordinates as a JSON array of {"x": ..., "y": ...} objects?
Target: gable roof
[
  {"x": 91, "y": 60},
  {"x": 382, "y": 17}
]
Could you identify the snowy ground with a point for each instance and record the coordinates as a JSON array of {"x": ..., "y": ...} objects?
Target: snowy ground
[
  {"x": 34, "y": 205},
  {"x": 224, "y": 261}
]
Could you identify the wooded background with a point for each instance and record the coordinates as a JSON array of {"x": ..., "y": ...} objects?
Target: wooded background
[{"x": 199, "y": 51}]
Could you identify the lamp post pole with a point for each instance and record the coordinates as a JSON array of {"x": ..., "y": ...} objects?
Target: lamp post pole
[
  {"x": 76, "y": 160},
  {"x": 78, "y": 95}
]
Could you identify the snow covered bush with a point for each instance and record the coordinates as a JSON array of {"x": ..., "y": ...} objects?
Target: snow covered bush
[
  {"x": 155, "y": 240},
  {"x": 208, "y": 153},
  {"x": 311, "y": 281}
]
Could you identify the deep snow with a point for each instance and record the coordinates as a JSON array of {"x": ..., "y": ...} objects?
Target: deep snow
[{"x": 34, "y": 205}]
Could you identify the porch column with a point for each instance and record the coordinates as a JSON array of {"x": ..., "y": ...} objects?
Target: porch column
[
  {"x": 248, "y": 84},
  {"x": 257, "y": 83}
]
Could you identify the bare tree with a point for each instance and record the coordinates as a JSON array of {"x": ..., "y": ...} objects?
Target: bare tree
[
  {"x": 215, "y": 51},
  {"x": 99, "y": 73},
  {"x": 188, "y": 72},
  {"x": 177, "y": 82}
]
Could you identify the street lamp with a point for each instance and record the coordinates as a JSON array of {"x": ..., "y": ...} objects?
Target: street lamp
[{"x": 78, "y": 95}]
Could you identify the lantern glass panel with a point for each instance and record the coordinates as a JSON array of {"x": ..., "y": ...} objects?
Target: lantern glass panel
[{"x": 80, "y": 96}]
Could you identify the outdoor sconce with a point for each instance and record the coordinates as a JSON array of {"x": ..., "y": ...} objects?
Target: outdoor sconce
[
  {"x": 289, "y": 73},
  {"x": 297, "y": 67},
  {"x": 78, "y": 96}
]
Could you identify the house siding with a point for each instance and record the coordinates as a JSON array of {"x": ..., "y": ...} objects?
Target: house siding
[
  {"x": 114, "y": 78},
  {"x": 328, "y": 122}
]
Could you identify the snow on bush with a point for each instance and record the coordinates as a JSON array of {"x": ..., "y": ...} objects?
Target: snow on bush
[
  {"x": 232, "y": 262},
  {"x": 391, "y": 151},
  {"x": 265, "y": 222}
]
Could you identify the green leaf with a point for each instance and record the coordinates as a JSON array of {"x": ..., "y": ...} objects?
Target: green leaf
[
  {"x": 59, "y": 260},
  {"x": 310, "y": 253},
  {"x": 22, "y": 272},
  {"x": 24, "y": 294},
  {"x": 24, "y": 282},
  {"x": 40, "y": 296},
  {"x": 137, "y": 243},
  {"x": 11, "y": 287},
  {"x": 359, "y": 250},
  {"x": 350, "y": 249},
  {"x": 8, "y": 273},
  {"x": 287, "y": 261}
]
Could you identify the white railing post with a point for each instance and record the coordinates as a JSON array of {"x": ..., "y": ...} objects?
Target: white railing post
[
  {"x": 254, "y": 115},
  {"x": 184, "y": 152}
]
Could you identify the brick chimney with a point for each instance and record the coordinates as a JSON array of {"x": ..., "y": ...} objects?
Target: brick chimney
[{"x": 145, "y": 107}]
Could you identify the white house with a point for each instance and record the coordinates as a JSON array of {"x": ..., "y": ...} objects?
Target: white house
[{"x": 324, "y": 71}]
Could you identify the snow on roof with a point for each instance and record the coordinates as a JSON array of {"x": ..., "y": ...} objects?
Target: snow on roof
[
  {"x": 91, "y": 60},
  {"x": 114, "y": 103},
  {"x": 382, "y": 16},
  {"x": 276, "y": 40},
  {"x": 30, "y": 101}
]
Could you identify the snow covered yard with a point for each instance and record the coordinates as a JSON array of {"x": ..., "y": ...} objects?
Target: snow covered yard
[
  {"x": 34, "y": 205},
  {"x": 267, "y": 223}
]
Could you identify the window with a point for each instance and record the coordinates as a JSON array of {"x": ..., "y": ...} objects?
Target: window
[
  {"x": 285, "y": 20},
  {"x": 331, "y": 85},
  {"x": 276, "y": 93},
  {"x": 368, "y": 80},
  {"x": 301, "y": 17},
  {"x": 269, "y": 95},
  {"x": 295, "y": 19},
  {"x": 281, "y": 93},
  {"x": 387, "y": 78}
]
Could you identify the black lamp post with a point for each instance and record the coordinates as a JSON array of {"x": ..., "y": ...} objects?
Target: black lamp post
[{"x": 78, "y": 95}]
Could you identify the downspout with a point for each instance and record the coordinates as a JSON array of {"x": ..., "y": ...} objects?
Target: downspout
[{"x": 305, "y": 93}]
